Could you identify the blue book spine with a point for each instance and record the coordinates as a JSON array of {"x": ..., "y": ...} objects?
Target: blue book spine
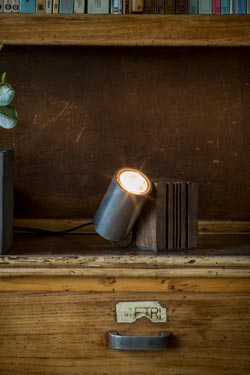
[
  {"x": 193, "y": 6},
  {"x": 66, "y": 6},
  {"x": 240, "y": 6},
  {"x": 116, "y": 6},
  {"x": 205, "y": 6},
  {"x": 225, "y": 6},
  {"x": 27, "y": 6}
]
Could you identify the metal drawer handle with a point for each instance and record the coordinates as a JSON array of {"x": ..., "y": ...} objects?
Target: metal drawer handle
[{"x": 117, "y": 341}]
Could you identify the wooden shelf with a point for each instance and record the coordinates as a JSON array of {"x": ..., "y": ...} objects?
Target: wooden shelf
[
  {"x": 89, "y": 255},
  {"x": 125, "y": 30},
  {"x": 223, "y": 250}
]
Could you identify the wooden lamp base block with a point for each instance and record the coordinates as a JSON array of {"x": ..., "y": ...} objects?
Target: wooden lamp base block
[{"x": 169, "y": 219}]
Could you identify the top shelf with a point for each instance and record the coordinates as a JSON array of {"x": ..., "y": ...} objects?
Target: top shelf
[{"x": 125, "y": 30}]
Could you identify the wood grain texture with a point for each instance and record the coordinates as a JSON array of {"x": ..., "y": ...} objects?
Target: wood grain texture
[
  {"x": 127, "y": 30},
  {"x": 124, "y": 284},
  {"x": 169, "y": 219},
  {"x": 118, "y": 260},
  {"x": 66, "y": 333},
  {"x": 224, "y": 226},
  {"x": 88, "y": 255},
  {"x": 126, "y": 272}
]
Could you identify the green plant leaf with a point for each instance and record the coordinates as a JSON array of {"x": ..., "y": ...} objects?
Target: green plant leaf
[
  {"x": 8, "y": 117},
  {"x": 6, "y": 94},
  {"x": 3, "y": 76}
]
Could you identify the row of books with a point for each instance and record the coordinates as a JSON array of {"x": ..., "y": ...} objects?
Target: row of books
[{"x": 126, "y": 6}]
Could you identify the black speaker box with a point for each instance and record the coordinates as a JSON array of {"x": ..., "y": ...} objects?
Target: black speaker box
[{"x": 6, "y": 200}]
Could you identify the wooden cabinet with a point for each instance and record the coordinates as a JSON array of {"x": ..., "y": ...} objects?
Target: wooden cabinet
[
  {"x": 67, "y": 333},
  {"x": 57, "y": 310},
  {"x": 58, "y": 294}
]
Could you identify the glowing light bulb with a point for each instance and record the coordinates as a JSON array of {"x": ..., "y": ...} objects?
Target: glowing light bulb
[{"x": 133, "y": 181}]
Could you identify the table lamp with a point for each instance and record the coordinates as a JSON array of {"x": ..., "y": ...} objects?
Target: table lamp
[{"x": 122, "y": 204}]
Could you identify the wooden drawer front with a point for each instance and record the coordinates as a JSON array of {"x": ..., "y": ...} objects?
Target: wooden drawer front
[{"x": 67, "y": 333}]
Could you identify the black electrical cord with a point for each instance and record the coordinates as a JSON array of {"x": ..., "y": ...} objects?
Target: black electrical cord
[
  {"x": 45, "y": 231},
  {"x": 121, "y": 244}
]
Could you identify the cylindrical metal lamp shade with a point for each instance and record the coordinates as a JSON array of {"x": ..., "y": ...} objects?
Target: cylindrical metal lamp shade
[{"x": 122, "y": 204}]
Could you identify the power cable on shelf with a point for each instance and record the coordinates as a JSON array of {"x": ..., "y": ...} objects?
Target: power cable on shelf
[
  {"x": 121, "y": 244},
  {"x": 46, "y": 231}
]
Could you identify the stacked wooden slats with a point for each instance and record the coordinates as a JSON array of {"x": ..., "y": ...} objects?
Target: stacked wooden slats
[{"x": 170, "y": 218}]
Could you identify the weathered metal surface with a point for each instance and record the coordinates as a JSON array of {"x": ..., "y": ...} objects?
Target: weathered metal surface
[
  {"x": 129, "y": 312},
  {"x": 117, "y": 341},
  {"x": 117, "y": 212}
]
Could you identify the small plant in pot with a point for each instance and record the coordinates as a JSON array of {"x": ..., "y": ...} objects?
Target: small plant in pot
[{"x": 8, "y": 120}]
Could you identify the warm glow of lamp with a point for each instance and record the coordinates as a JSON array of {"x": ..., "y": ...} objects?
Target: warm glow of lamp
[
  {"x": 122, "y": 204},
  {"x": 133, "y": 181}
]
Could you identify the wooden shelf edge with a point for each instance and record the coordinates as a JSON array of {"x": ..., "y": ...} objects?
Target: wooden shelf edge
[
  {"x": 125, "y": 284},
  {"x": 125, "y": 30},
  {"x": 88, "y": 255},
  {"x": 211, "y": 272},
  {"x": 149, "y": 263}
]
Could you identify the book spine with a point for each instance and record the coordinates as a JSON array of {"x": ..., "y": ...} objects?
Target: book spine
[
  {"x": 27, "y": 6},
  {"x": 193, "y": 6},
  {"x": 116, "y": 7},
  {"x": 15, "y": 6},
  {"x": 239, "y": 6},
  {"x": 137, "y": 6},
  {"x": 216, "y": 6},
  {"x": 1, "y": 6},
  {"x": 248, "y": 6},
  {"x": 41, "y": 6},
  {"x": 7, "y": 4},
  {"x": 48, "y": 6},
  {"x": 205, "y": 6},
  {"x": 170, "y": 6},
  {"x": 98, "y": 6},
  {"x": 181, "y": 6},
  {"x": 55, "y": 7},
  {"x": 159, "y": 6},
  {"x": 126, "y": 7},
  {"x": 79, "y": 6},
  {"x": 235, "y": 6},
  {"x": 225, "y": 7},
  {"x": 149, "y": 6},
  {"x": 66, "y": 6}
]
